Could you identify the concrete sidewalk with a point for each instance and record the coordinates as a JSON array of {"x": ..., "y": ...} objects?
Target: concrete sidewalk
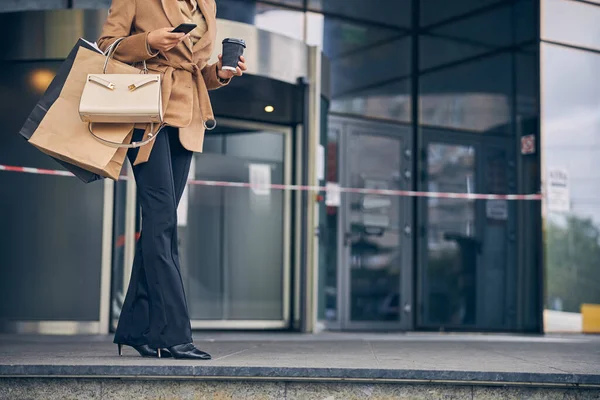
[
  {"x": 475, "y": 360},
  {"x": 557, "y": 360}
]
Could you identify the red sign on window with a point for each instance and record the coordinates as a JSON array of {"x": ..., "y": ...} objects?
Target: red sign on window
[{"x": 528, "y": 144}]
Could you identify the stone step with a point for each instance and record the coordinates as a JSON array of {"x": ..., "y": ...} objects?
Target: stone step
[{"x": 200, "y": 389}]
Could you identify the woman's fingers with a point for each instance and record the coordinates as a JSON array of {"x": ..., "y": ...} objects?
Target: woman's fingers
[{"x": 242, "y": 66}]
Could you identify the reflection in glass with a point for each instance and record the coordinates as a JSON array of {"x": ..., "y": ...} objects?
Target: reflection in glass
[
  {"x": 88, "y": 4},
  {"x": 474, "y": 35},
  {"x": 452, "y": 249},
  {"x": 51, "y": 240},
  {"x": 237, "y": 10},
  {"x": 292, "y": 3},
  {"x": 571, "y": 138},
  {"x": 571, "y": 22},
  {"x": 232, "y": 239},
  {"x": 496, "y": 276},
  {"x": 474, "y": 96},
  {"x": 328, "y": 226},
  {"x": 374, "y": 237},
  {"x": 527, "y": 77},
  {"x": 436, "y": 11},
  {"x": 389, "y": 101},
  {"x": 118, "y": 287},
  {"x": 284, "y": 21},
  {"x": 393, "y": 13},
  {"x": 370, "y": 67}
]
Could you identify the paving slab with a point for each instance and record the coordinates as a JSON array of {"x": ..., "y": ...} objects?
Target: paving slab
[{"x": 467, "y": 358}]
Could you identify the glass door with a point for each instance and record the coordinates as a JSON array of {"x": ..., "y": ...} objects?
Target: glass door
[
  {"x": 376, "y": 260},
  {"x": 235, "y": 242},
  {"x": 466, "y": 273}
]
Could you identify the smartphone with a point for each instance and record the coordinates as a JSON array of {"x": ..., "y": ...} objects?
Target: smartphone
[{"x": 184, "y": 28}]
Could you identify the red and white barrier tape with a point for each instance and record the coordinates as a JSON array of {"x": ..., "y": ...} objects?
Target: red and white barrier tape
[{"x": 383, "y": 192}]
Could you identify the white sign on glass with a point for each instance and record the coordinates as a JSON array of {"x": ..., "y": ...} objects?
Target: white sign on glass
[
  {"x": 558, "y": 198},
  {"x": 260, "y": 179}
]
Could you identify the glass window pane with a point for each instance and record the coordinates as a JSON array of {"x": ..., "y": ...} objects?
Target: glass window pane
[
  {"x": 228, "y": 271},
  {"x": 374, "y": 66},
  {"x": 271, "y": 18},
  {"x": 392, "y": 13},
  {"x": 237, "y": 10},
  {"x": 435, "y": 51},
  {"x": 571, "y": 139},
  {"x": 571, "y": 22},
  {"x": 370, "y": 67},
  {"x": 479, "y": 34},
  {"x": 389, "y": 101},
  {"x": 449, "y": 278},
  {"x": 435, "y": 11},
  {"x": 280, "y": 20},
  {"x": 474, "y": 96},
  {"x": 527, "y": 77},
  {"x": 293, "y": 3},
  {"x": 525, "y": 21},
  {"x": 19, "y": 5},
  {"x": 328, "y": 217},
  {"x": 91, "y": 4},
  {"x": 375, "y": 227},
  {"x": 50, "y": 251}
]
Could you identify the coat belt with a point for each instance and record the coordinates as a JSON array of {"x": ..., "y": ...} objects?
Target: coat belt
[
  {"x": 206, "y": 111},
  {"x": 203, "y": 98}
]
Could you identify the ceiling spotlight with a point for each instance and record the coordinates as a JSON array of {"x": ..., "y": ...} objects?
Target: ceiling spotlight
[{"x": 269, "y": 109}]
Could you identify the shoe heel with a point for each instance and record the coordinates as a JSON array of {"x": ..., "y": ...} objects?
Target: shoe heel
[
  {"x": 120, "y": 349},
  {"x": 159, "y": 352}
]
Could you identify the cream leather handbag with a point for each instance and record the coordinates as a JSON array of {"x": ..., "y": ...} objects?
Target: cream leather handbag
[{"x": 122, "y": 98}]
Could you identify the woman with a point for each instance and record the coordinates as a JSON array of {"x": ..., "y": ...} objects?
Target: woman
[{"x": 154, "y": 319}]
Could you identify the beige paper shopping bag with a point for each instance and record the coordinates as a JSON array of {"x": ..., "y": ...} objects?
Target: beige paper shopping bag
[{"x": 63, "y": 135}]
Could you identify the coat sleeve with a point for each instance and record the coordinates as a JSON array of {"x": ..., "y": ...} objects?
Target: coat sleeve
[
  {"x": 209, "y": 72},
  {"x": 120, "y": 24}
]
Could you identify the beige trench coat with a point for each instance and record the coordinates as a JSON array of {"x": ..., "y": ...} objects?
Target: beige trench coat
[{"x": 187, "y": 77}]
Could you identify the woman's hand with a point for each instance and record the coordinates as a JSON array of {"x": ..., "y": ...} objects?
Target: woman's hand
[
  {"x": 226, "y": 74},
  {"x": 164, "y": 40}
]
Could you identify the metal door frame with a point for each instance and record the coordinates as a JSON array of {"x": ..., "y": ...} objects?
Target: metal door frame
[
  {"x": 403, "y": 133},
  {"x": 480, "y": 143}
]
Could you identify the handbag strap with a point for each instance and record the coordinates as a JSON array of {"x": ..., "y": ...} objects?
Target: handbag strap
[
  {"x": 132, "y": 145},
  {"x": 112, "y": 49}
]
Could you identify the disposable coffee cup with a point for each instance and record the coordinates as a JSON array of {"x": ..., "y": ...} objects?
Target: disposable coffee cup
[{"x": 233, "y": 49}]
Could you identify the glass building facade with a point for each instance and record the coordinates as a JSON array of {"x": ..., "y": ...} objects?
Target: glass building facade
[
  {"x": 462, "y": 96},
  {"x": 570, "y": 54}
]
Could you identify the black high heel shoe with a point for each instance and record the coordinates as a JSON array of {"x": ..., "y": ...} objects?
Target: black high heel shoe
[
  {"x": 144, "y": 350},
  {"x": 185, "y": 351}
]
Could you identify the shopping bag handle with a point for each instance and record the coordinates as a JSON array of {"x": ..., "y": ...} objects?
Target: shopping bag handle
[
  {"x": 112, "y": 49},
  {"x": 132, "y": 145}
]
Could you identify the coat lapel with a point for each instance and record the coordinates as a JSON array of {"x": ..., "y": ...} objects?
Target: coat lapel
[
  {"x": 173, "y": 12},
  {"x": 211, "y": 22}
]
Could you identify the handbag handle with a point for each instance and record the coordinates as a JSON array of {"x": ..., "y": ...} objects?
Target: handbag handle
[
  {"x": 132, "y": 145},
  {"x": 112, "y": 49}
]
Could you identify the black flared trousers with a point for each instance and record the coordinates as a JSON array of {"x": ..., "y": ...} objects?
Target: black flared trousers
[{"x": 155, "y": 309}]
